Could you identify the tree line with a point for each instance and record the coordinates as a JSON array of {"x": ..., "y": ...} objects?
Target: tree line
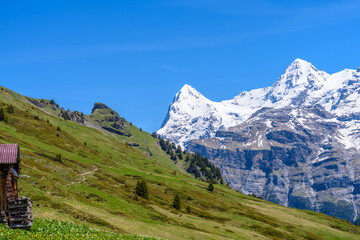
[{"x": 198, "y": 165}]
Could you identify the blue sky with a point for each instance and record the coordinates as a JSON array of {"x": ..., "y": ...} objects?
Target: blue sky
[{"x": 135, "y": 55}]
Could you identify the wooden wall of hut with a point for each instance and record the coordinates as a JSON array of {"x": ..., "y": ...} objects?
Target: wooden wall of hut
[{"x": 2, "y": 192}]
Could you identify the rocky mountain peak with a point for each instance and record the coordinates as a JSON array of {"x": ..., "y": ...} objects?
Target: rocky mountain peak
[
  {"x": 99, "y": 105},
  {"x": 358, "y": 70}
]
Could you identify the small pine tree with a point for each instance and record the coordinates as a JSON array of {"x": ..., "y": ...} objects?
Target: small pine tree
[
  {"x": 141, "y": 189},
  {"x": 179, "y": 152},
  {"x": 173, "y": 156},
  {"x": 210, "y": 187},
  {"x": 10, "y": 109},
  {"x": 154, "y": 135},
  {"x": 177, "y": 202},
  {"x": 85, "y": 143},
  {"x": 188, "y": 209},
  {"x": 2, "y": 115},
  {"x": 58, "y": 128},
  {"x": 65, "y": 115},
  {"x": 58, "y": 157}
]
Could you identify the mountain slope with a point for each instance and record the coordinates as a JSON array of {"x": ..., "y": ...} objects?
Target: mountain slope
[
  {"x": 291, "y": 156},
  {"x": 93, "y": 182},
  {"x": 296, "y": 143}
]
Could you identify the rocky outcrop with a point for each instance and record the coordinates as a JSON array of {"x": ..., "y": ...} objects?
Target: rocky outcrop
[
  {"x": 290, "y": 156},
  {"x": 109, "y": 120},
  {"x": 107, "y": 117},
  {"x": 99, "y": 105}
]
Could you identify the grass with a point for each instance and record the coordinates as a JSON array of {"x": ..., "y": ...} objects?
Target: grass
[
  {"x": 93, "y": 186},
  {"x": 54, "y": 230}
]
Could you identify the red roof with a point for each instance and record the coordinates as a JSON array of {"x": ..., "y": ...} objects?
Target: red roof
[{"x": 8, "y": 153}]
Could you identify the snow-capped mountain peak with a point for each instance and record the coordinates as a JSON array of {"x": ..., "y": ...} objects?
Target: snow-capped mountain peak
[
  {"x": 193, "y": 116},
  {"x": 297, "y": 79},
  {"x": 299, "y": 64},
  {"x": 187, "y": 92},
  {"x": 301, "y": 72}
]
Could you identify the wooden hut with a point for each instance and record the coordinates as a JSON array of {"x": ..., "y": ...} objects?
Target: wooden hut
[{"x": 14, "y": 211}]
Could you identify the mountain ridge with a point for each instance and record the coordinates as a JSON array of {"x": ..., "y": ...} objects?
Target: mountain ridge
[{"x": 300, "y": 85}]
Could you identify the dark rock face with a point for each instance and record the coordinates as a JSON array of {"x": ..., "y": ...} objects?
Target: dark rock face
[
  {"x": 290, "y": 156},
  {"x": 77, "y": 117},
  {"x": 99, "y": 105},
  {"x": 122, "y": 133},
  {"x": 132, "y": 144}
]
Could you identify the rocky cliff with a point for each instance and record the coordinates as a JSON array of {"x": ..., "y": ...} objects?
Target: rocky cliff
[{"x": 296, "y": 157}]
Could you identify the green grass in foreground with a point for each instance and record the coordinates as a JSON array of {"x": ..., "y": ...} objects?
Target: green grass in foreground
[{"x": 50, "y": 229}]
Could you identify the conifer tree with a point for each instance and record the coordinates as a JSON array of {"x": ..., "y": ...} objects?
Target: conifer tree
[
  {"x": 179, "y": 152},
  {"x": 173, "y": 156},
  {"x": 177, "y": 202},
  {"x": 2, "y": 115},
  {"x": 65, "y": 115},
  {"x": 210, "y": 187},
  {"x": 141, "y": 189},
  {"x": 10, "y": 109},
  {"x": 58, "y": 157}
]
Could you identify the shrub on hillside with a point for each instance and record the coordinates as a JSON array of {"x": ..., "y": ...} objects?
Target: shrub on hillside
[
  {"x": 176, "y": 202},
  {"x": 141, "y": 189},
  {"x": 210, "y": 187}
]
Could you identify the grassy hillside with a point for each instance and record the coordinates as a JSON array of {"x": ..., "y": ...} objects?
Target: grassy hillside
[
  {"x": 54, "y": 230},
  {"x": 93, "y": 183}
]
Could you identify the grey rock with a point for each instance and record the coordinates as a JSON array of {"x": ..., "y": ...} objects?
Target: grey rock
[
  {"x": 99, "y": 105},
  {"x": 291, "y": 156}
]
